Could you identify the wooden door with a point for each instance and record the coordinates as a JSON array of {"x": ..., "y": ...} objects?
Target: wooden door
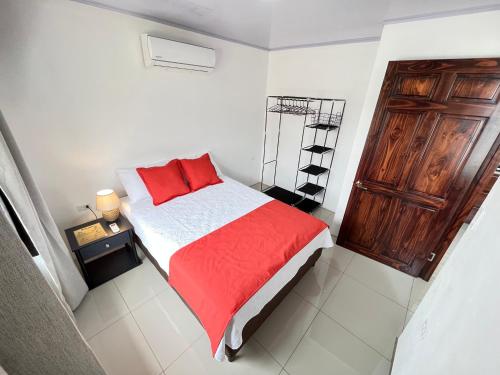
[{"x": 435, "y": 126}]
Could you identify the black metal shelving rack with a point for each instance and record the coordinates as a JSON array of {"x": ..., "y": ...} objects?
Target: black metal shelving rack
[{"x": 323, "y": 117}]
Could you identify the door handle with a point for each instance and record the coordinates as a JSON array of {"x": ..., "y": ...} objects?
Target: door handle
[{"x": 359, "y": 185}]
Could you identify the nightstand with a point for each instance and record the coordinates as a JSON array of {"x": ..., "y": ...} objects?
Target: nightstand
[{"x": 103, "y": 259}]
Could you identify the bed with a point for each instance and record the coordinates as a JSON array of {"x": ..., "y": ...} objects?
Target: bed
[{"x": 162, "y": 230}]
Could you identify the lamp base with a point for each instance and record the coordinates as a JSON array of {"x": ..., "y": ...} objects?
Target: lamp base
[{"x": 111, "y": 215}]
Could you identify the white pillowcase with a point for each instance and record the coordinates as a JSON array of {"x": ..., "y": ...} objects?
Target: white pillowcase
[{"x": 133, "y": 184}]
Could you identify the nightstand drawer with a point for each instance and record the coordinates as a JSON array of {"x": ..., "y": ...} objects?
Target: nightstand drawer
[{"x": 104, "y": 246}]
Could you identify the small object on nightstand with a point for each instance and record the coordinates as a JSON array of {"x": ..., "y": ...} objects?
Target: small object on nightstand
[
  {"x": 114, "y": 228},
  {"x": 102, "y": 259},
  {"x": 108, "y": 202},
  {"x": 89, "y": 233}
]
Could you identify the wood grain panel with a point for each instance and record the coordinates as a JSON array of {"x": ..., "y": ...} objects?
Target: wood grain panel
[
  {"x": 446, "y": 151},
  {"x": 468, "y": 109},
  {"x": 415, "y": 85},
  {"x": 417, "y": 147},
  {"x": 401, "y": 244},
  {"x": 369, "y": 215},
  {"x": 392, "y": 150},
  {"x": 477, "y": 88},
  {"x": 473, "y": 66},
  {"x": 417, "y": 198}
]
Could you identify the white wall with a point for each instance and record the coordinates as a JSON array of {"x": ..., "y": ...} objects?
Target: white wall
[
  {"x": 335, "y": 71},
  {"x": 474, "y": 35},
  {"x": 455, "y": 329},
  {"x": 80, "y": 102}
]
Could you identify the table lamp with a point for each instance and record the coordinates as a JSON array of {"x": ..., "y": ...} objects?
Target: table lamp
[{"x": 108, "y": 203}]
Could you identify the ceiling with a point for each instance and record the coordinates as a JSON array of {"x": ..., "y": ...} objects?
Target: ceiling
[{"x": 276, "y": 24}]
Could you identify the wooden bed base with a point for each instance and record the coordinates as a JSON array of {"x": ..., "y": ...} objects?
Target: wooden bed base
[{"x": 254, "y": 323}]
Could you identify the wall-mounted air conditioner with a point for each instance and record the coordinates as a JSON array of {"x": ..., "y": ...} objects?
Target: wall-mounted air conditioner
[{"x": 168, "y": 53}]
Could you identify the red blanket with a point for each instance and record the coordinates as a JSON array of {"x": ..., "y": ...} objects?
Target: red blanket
[{"x": 218, "y": 273}]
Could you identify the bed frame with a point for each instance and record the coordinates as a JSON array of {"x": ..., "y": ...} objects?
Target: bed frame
[{"x": 254, "y": 323}]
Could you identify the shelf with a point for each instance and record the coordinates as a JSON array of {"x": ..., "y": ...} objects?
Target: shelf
[
  {"x": 317, "y": 149},
  {"x": 326, "y": 121},
  {"x": 283, "y": 195},
  {"x": 110, "y": 266},
  {"x": 292, "y": 106},
  {"x": 314, "y": 170},
  {"x": 307, "y": 205},
  {"x": 291, "y": 110},
  {"x": 322, "y": 126},
  {"x": 310, "y": 189}
]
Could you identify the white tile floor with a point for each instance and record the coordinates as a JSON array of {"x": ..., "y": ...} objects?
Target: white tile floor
[{"x": 342, "y": 318}]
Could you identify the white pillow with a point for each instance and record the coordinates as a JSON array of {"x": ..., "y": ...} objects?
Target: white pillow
[{"x": 133, "y": 184}]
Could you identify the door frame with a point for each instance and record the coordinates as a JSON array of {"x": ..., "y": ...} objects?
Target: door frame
[{"x": 480, "y": 180}]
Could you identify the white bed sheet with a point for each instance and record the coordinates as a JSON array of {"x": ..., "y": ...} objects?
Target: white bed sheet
[{"x": 166, "y": 228}]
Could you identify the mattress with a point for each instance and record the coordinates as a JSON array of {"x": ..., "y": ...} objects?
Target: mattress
[{"x": 167, "y": 228}]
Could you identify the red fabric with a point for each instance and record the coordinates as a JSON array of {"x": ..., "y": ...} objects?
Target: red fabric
[
  {"x": 199, "y": 172},
  {"x": 164, "y": 183},
  {"x": 221, "y": 271}
]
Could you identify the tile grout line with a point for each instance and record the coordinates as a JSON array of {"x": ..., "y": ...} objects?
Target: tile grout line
[
  {"x": 140, "y": 330},
  {"x": 315, "y": 316},
  {"x": 353, "y": 334},
  {"x": 140, "y": 305},
  {"x": 109, "y": 326},
  {"x": 329, "y": 317},
  {"x": 408, "y": 305},
  {"x": 268, "y": 352},
  {"x": 147, "y": 342},
  {"x": 120, "y": 293},
  {"x": 376, "y": 292},
  {"x": 348, "y": 330},
  {"x": 301, "y": 338},
  {"x": 155, "y": 294},
  {"x": 309, "y": 303},
  {"x": 113, "y": 322},
  {"x": 369, "y": 287},
  {"x": 184, "y": 351},
  {"x": 331, "y": 291}
]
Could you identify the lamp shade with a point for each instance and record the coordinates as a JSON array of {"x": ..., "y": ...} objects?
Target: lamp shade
[{"x": 107, "y": 200}]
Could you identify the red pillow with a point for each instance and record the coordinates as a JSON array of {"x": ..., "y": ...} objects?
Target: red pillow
[
  {"x": 199, "y": 172},
  {"x": 164, "y": 183}
]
